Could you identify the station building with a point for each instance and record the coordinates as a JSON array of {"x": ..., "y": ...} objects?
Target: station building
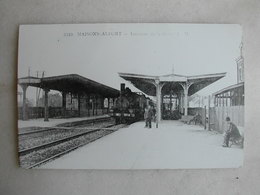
[
  {"x": 233, "y": 95},
  {"x": 230, "y": 101}
]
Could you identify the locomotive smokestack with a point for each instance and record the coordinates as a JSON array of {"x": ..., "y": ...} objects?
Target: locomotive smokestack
[{"x": 122, "y": 88}]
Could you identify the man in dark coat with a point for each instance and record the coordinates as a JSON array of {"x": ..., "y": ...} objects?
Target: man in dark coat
[
  {"x": 232, "y": 131},
  {"x": 146, "y": 116},
  {"x": 149, "y": 116}
]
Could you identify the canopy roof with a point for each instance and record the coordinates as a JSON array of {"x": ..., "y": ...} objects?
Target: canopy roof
[
  {"x": 229, "y": 88},
  {"x": 70, "y": 83},
  {"x": 171, "y": 82}
]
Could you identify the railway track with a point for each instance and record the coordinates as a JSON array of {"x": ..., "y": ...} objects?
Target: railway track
[
  {"x": 68, "y": 125},
  {"x": 45, "y": 135},
  {"x": 37, "y": 155}
]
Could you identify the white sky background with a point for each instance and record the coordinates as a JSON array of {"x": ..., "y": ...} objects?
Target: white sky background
[{"x": 193, "y": 50}]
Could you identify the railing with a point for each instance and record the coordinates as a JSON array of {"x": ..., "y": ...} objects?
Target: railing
[
  {"x": 32, "y": 112},
  {"x": 59, "y": 112},
  {"x": 218, "y": 117}
]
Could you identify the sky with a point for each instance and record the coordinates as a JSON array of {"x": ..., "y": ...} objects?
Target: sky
[{"x": 100, "y": 51}]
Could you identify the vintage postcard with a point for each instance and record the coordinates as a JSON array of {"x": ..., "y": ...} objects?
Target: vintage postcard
[{"x": 130, "y": 96}]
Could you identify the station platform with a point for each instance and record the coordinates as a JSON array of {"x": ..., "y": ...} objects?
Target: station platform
[
  {"x": 173, "y": 145},
  {"x": 56, "y": 122}
]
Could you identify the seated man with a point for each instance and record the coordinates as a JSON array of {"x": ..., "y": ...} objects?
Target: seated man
[{"x": 231, "y": 132}]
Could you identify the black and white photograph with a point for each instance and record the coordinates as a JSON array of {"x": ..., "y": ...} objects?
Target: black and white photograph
[{"x": 130, "y": 96}]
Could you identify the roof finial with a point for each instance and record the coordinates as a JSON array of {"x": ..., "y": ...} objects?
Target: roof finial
[{"x": 173, "y": 69}]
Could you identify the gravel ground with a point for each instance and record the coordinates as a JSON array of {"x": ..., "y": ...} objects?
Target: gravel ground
[{"x": 39, "y": 155}]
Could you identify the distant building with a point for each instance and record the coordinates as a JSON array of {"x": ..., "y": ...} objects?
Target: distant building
[
  {"x": 233, "y": 95},
  {"x": 230, "y": 100}
]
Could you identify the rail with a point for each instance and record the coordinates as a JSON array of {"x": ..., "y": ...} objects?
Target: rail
[{"x": 65, "y": 140}]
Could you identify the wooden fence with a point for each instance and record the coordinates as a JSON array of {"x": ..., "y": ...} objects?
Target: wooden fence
[{"x": 218, "y": 116}]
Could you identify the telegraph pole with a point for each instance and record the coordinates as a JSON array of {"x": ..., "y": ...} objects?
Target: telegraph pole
[{"x": 38, "y": 91}]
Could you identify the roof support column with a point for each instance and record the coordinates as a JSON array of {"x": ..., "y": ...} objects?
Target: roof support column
[
  {"x": 64, "y": 103},
  {"x": 46, "y": 108},
  {"x": 63, "y": 99},
  {"x": 158, "y": 86},
  {"x": 185, "y": 101},
  {"x": 25, "y": 114},
  {"x": 108, "y": 104},
  {"x": 96, "y": 104},
  {"x": 185, "y": 87},
  {"x": 158, "y": 101},
  {"x": 171, "y": 101},
  {"x": 182, "y": 107},
  {"x": 180, "y": 102},
  {"x": 79, "y": 104}
]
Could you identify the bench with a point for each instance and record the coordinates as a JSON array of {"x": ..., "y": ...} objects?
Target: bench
[
  {"x": 241, "y": 140},
  {"x": 189, "y": 119},
  {"x": 241, "y": 130},
  {"x": 186, "y": 119}
]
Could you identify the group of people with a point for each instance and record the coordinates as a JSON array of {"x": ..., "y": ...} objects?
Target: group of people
[{"x": 149, "y": 115}]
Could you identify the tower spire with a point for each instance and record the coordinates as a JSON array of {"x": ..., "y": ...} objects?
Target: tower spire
[
  {"x": 240, "y": 65},
  {"x": 241, "y": 49}
]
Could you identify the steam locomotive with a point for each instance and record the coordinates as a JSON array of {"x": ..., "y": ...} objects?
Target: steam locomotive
[{"x": 128, "y": 107}]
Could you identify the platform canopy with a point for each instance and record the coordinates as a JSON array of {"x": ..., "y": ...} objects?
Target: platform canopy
[
  {"x": 181, "y": 85},
  {"x": 173, "y": 82},
  {"x": 70, "y": 83}
]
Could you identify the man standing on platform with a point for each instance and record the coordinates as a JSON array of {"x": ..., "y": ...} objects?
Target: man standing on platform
[
  {"x": 150, "y": 116},
  {"x": 146, "y": 116}
]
